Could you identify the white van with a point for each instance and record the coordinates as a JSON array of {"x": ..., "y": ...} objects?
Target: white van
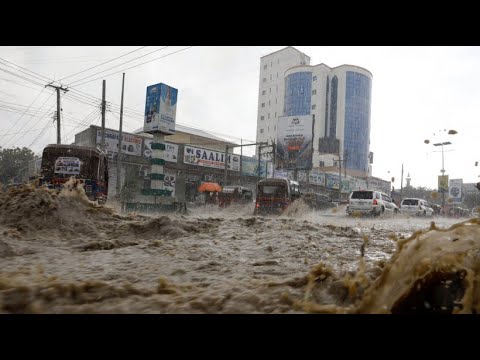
[{"x": 413, "y": 206}]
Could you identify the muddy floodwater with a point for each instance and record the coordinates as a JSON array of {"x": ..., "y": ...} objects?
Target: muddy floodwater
[{"x": 63, "y": 254}]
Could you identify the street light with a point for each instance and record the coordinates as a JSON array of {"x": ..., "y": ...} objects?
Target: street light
[{"x": 443, "y": 169}]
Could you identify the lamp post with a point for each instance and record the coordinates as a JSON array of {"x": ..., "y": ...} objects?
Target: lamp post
[{"x": 443, "y": 169}]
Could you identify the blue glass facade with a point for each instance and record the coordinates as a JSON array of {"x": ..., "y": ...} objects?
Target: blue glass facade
[
  {"x": 357, "y": 121},
  {"x": 298, "y": 93},
  {"x": 333, "y": 108}
]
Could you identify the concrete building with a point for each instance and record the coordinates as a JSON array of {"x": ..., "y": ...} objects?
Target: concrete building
[{"x": 339, "y": 100}]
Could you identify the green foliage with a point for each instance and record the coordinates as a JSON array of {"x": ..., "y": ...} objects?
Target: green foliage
[{"x": 14, "y": 163}]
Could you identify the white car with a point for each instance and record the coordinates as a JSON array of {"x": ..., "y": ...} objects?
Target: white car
[
  {"x": 413, "y": 206},
  {"x": 367, "y": 202}
]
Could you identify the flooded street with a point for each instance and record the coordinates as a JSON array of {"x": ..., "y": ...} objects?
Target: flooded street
[{"x": 63, "y": 254}]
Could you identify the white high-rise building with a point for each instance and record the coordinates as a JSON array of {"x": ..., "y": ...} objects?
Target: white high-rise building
[
  {"x": 271, "y": 89},
  {"x": 337, "y": 98}
]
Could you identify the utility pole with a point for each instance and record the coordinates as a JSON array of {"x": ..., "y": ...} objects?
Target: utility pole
[
  {"x": 226, "y": 164},
  {"x": 241, "y": 158},
  {"x": 120, "y": 136},
  {"x": 274, "y": 156},
  {"x": 59, "y": 109},
  {"x": 102, "y": 144}
]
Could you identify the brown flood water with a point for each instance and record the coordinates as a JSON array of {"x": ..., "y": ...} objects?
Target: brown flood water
[{"x": 63, "y": 254}]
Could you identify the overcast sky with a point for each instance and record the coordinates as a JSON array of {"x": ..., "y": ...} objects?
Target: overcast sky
[{"x": 417, "y": 92}]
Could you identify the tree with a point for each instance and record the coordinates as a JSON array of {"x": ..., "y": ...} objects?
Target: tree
[{"x": 14, "y": 163}]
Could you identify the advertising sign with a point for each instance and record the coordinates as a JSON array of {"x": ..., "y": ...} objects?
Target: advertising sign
[
  {"x": 455, "y": 191},
  {"x": 294, "y": 142},
  {"x": 169, "y": 154},
  {"x": 316, "y": 178},
  {"x": 131, "y": 144},
  {"x": 332, "y": 181},
  {"x": 169, "y": 181},
  {"x": 210, "y": 158},
  {"x": 67, "y": 165},
  {"x": 280, "y": 174},
  {"x": 160, "y": 109},
  {"x": 443, "y": 183},
  {"x": 250, "y": 166}
]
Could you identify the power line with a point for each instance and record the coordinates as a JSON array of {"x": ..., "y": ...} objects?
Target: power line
[
  {"x": 21, "y": 77},
  {"x": 36, "y": 75},
  {"x": 146, "y": 62},
  {"x": 106, "y": 62},
  {"x": 126, "y": 62},
  {"x": 31, "y": 118}
]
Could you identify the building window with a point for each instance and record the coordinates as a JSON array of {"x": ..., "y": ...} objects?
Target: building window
[
  {"x": 276, "y": 101},
  {"x": 262, "y": 117},
  {"x": 314, "y": 92},
  {"x": 261, "y": 131},
  {"x": 264, "y": 79},
  {"x": 270, "y": 90},
  {"x": 269, "y": 115},
  {"x": 275, "y": 128},
  {"x": 314, "y": 106},
  {"x": 275, "y": 114},
  {"x": 277, "y": 75},
  {"x": 314, "y": 78},
  {"x": 263, "y": 104},
  {"x": 269, "y": 129},
  {"x": 265, "y": 67},
  {"x": 270, "y": 76},
  {"x": 263, "y": 92},
  {"x": 322, "y": 164},
  {"x": 278, "y": 61},
  {"x": 269, "y": 103}
]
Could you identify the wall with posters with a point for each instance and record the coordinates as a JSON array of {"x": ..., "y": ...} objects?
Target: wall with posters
[
  {"x": 170, "y": 154},
  {"x": 210, "y": 158},
  {"x": 131, "y": 144},
  {"x": 169, "y": 181}
]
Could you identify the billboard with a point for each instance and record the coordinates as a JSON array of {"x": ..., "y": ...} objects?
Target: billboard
[
  {"x": 332, "y": 181},
  {"x": 160, "y": 109},
  {"x": 455, "y": 191},
  {"x": 250, "y": 166},
  {"x": 443, "y": 183},
  {"x": 210, "y": 158},
  {"x": 169, "y": 154},
  {"x": 294, "y": 142},
  {"x": 131, "y": 144},
  {"x": 316, "y": 178}
]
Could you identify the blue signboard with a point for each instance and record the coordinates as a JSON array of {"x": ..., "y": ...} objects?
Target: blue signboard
[{"x": 160, "y": 109}]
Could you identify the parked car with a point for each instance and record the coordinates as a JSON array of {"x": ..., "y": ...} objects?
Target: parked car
[
  {"x": 319, "y": 201},
  {"x": 367, "y": 202},
  {"x": 413, "y": 206}
]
